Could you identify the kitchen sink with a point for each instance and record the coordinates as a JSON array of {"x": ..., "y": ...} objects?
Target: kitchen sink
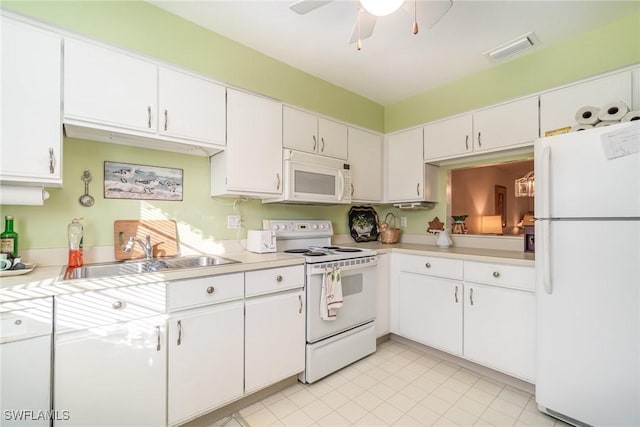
[{"x": 123, "y": 268}]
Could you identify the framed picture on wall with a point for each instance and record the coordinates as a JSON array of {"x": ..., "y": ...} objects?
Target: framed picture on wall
[
  {"x": 500, "y": 198},
  {"x": 141, "y": 182}
]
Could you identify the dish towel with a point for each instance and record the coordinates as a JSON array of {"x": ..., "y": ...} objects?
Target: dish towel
[{"x": 331, "y": 294}]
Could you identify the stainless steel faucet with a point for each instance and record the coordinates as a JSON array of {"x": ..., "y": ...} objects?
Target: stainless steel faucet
[{"x": 146, "y": 246}]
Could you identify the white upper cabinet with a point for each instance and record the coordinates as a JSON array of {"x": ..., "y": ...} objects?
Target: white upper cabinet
[
  {"x": 251, "y": 165},
  {"x": 558, "y": 108},
  {"x": 405, "y": 166},
  {"x": 449, "y": 137},
  {"x": 506, "y": 125},
  {"x": 113, "y": 96},
  {"x": 306, "y": 132},
  {"x": 109, "y": 88},
  {"x": 191, "y": 107},
  {"x": 31, "y": 132},
  {"x": 365, "y": 158}
]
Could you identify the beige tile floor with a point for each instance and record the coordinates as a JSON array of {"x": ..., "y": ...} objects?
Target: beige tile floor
[{"x": 399, "y": 386}]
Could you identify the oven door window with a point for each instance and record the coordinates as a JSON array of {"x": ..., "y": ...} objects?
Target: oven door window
[
  {"x": 314, "y": 183},
  {"x": 352, "y": 285}
]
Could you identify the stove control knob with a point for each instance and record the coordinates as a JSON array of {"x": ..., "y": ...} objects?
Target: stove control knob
[{"x": 314, "y": 226}]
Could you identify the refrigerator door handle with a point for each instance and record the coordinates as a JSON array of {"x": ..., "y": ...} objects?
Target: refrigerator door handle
[
  {"x": 546, "y": 184},
  {"x": 546, "y": 237}
]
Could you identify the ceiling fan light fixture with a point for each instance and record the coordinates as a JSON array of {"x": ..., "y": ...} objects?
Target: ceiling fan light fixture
[{"x": 381, "y": 7}]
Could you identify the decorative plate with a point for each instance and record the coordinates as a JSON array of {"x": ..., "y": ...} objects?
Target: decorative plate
[
  {"x": 363, "y": 223},
  {"x": 28, "y": 268}
]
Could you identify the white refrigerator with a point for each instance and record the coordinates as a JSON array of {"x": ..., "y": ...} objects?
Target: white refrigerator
[{"x": 587, "y": 239}]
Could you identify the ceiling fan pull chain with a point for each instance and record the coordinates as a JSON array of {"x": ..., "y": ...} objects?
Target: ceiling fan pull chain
[
  {"x": 359, "y": 43},
  {"x": 415, "y": 17}
]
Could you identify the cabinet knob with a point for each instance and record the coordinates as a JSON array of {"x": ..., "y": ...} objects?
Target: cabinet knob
[
  {"x": 496, "y": 274},
  {"x": 278, "y": 278},
  {"x": 428, "y": 265},
  {"x": 211, "y": 290},
  {"x": 117, "y": 305}
]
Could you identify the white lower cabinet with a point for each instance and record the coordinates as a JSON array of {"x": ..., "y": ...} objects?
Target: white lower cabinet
[
  {"x": 383, "y": 272},
  {"x": 274, "y": 329},
  {"x": 205, "y": 359},
  {"x": 499, "y": 329},
  {"x": 25, "y": 362},
  {"x": 430, "y": 311},
  {"x": 483, "y": 312},
  {"x": 110, "y": 357}
]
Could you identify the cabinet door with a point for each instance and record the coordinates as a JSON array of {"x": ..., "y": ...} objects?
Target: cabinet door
[
  {"x": 499, "y": 329},
  {"x": 274, "y": 339},
  {"x": 106, "y": 87},
  {"x": 31, "y": 138},
  {"x": 332, "y": 139},
  {"x": 383, "y": 295},
  {"x": 191, "y": 107},
  {"x": 558, "y": 108},
  {"x": 300, "y": 130},
  {"x": 430, "y": 311},
  {"x": 636, "y": 90},
  {"x": 112, "y": 375},
  {"x": 205, "y": 359},
  {"x": 405, "y": 166},
  {"x": 506, "y": 125},
  {"x": 254, "y": 144},
  {"x": 365, "y": 158},
  {"x": 448, "y": 138}
]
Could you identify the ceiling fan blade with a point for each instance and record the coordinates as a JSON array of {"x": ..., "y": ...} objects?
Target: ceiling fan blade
[
  {"x": 303, "y": 7},
  {"x": 429, "y": 11},
  {"x": 367, "y": 24}
]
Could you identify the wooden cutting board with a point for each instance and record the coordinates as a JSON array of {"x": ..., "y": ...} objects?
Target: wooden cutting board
[{"x": 163, "y": 234}]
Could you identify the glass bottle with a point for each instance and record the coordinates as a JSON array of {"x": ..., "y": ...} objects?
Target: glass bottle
[
  {"x": 9, "y": 238},
  {"x": 75, "y": 234}
]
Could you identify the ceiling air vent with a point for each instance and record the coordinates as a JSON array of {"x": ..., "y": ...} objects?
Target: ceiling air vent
[{"x": 511, "y": 48}]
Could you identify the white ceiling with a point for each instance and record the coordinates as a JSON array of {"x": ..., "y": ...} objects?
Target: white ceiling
[{"x": 393, "y": 63}]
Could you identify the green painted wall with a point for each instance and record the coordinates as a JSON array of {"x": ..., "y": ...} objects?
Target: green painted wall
[
  {"x": 603, "y": 49},
  {"x": 143, "y": 28}
]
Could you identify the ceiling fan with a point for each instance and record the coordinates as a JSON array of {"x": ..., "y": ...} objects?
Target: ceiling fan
[{"x": 370, "y": 10}]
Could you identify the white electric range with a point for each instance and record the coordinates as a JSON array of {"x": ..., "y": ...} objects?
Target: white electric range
[{"x": 350, "y": 336}]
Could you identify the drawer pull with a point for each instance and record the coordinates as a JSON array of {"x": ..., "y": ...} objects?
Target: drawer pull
[
  {"x": 211, "y": 290},
  {"x": 428, "y": 265},
  {"x": 278, "y": 278},
  {"x": 179, "y": 332},
  {"x": 117, "y": 305},
  {"x": 496, "y": 274}
]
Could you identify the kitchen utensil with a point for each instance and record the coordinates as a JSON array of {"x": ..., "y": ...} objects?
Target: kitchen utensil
[
  {"x": 86, "y": 199},
  {"x": 163, "y": 237}
]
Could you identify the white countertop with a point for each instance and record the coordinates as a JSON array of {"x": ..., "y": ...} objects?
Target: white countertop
[{"x": 46, "y": 281}]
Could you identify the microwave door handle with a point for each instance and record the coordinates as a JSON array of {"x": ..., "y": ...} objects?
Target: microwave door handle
[{"x": 341, "y": 183}]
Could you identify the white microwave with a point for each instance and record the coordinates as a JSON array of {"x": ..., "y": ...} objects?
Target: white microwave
[{"x": 309, "y": 178}]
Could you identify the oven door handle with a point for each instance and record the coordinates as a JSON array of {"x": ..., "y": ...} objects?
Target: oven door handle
[{"x": 321, "y": 269}]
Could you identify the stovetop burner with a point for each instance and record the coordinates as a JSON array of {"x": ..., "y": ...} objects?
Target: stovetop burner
[
  {"x": 305, "y": 252},
  {"x": 348, "y": 250}
]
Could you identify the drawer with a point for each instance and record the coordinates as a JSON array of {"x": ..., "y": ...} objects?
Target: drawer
[
  {"x": 512, "y": 276},
  {"x": 204, "y": 290},
  {"x": 92, "y": 309},
  {"x": 274, "y": 280},
  {"x": 25, "y": 319},
  {"x": 433, "y": 266}
]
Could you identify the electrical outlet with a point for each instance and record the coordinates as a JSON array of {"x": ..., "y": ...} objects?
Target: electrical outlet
[
  {"x": 233, "y": 222},
  {"x": 403, "y": 221}
]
